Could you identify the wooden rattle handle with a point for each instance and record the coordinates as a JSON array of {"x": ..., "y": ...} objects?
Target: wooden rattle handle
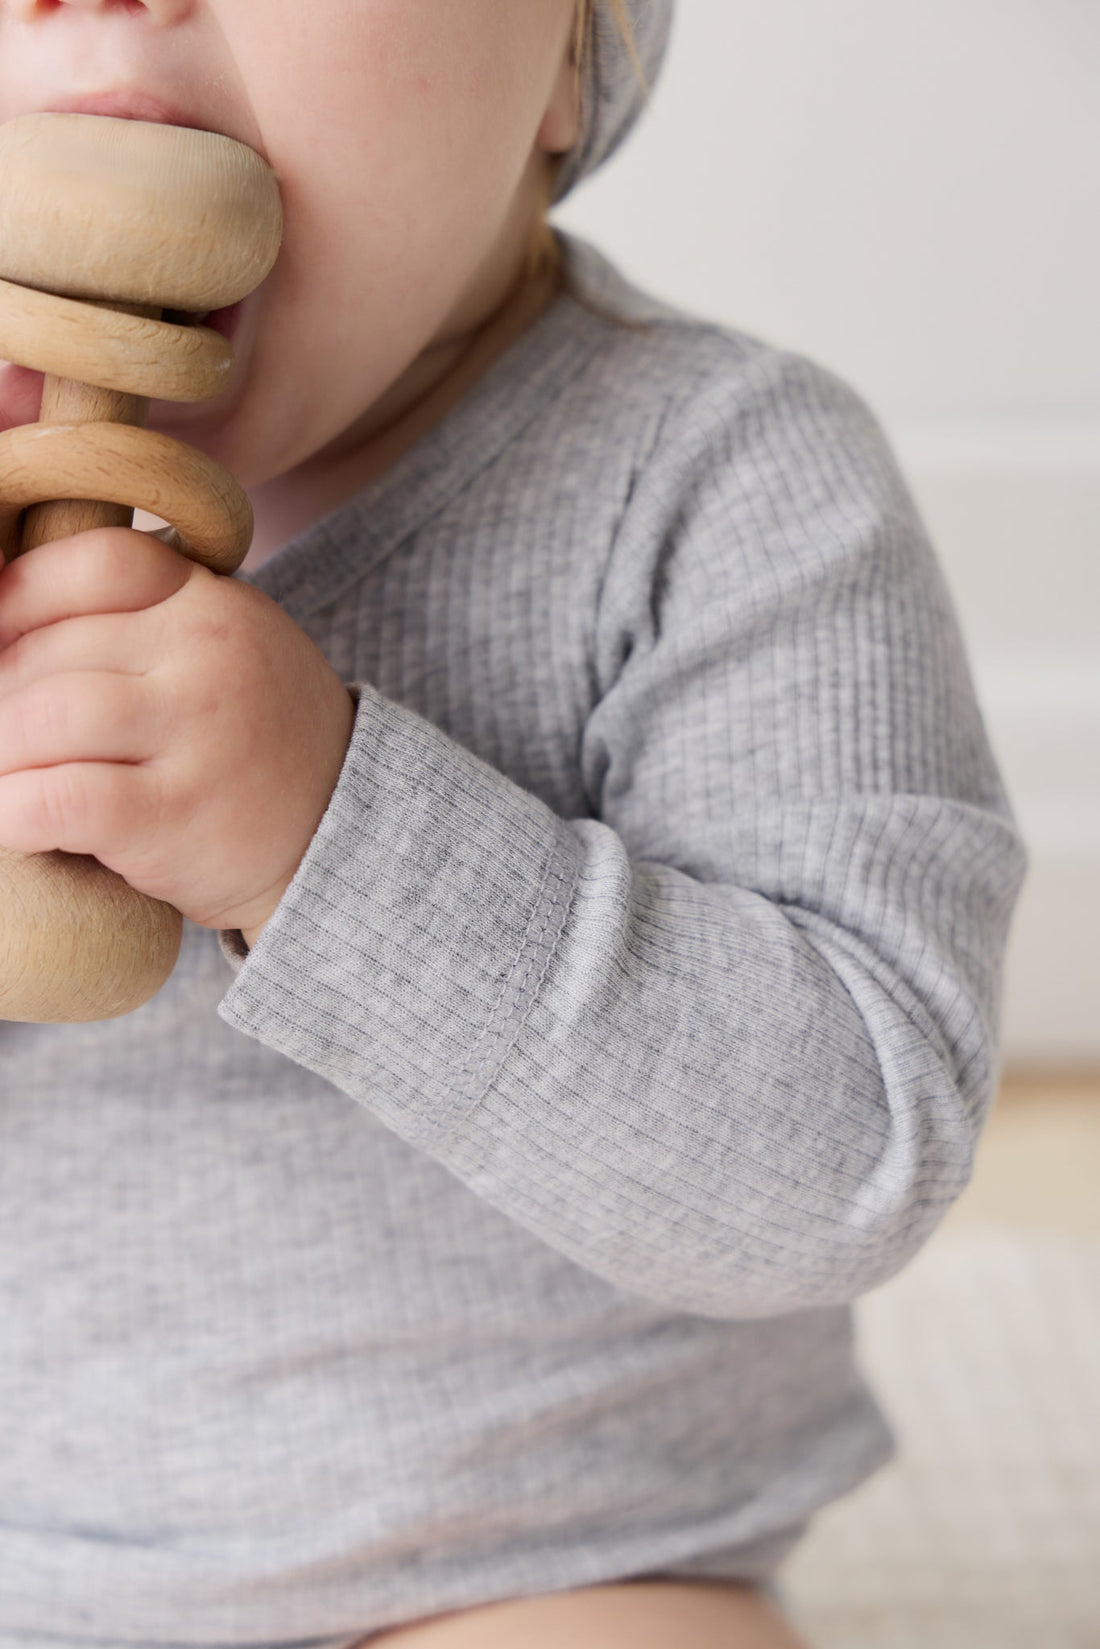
[
  {"x": 77, "y": 942},
  {"x": 64, "y": 401},
  {"x": 115, "y": 947}
]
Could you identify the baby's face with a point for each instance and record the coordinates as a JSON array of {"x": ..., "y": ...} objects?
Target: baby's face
[{"x": 406, "y": 136}]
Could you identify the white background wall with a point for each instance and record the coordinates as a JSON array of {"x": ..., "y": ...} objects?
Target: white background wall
[{"x": 910, "y": 193}]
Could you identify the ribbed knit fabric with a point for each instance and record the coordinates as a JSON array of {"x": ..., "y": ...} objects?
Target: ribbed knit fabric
[{"x": 492, "y": 1228}]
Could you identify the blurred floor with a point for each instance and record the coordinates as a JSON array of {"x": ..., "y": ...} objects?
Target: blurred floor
[
  {"x": 984, "y": 1352},
  {"x": 1038, "y": 1162}
]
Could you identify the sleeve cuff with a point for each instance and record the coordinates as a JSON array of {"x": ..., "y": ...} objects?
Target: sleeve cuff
[
  {"x": 231, "y": 941},
  {"x": 412, "y": 943}
]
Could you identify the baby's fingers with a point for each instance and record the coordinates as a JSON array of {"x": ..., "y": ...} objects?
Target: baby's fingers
[
  {"x": 89, "y": 716},
  {"x": 99, "y": 808},
  {"x": 111, "y": 642},
  {"x": 108, "y": 570}
]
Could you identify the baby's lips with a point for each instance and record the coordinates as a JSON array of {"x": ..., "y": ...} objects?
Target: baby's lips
[{"x": 20, "y": 395}]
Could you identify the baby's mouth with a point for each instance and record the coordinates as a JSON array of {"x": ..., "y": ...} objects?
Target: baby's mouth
[
  {"x": 122, "y": 103},
  {"x": 223, "y": 321}
]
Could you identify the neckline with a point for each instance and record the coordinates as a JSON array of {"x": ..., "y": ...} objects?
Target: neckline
[{"x": 342, "y": 547}]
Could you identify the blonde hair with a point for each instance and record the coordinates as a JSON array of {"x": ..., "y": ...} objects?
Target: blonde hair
[
  {"x": 542, "y": 252},
  {"x": 584, "y": 21}
]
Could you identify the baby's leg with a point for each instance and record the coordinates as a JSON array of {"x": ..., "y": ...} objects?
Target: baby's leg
[{"x": 640, "y": 1614}]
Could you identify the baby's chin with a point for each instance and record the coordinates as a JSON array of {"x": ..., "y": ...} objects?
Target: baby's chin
[{"x": 221, "y": 433}]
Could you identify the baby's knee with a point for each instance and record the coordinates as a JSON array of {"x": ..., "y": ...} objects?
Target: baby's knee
[{"x": 644, "y": 1614}]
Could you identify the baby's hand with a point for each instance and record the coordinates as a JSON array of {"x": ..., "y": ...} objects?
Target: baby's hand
[{"x": 175, "y": 724}]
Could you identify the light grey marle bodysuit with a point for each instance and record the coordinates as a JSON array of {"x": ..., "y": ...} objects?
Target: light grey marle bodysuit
[{"x": 492, "y": 1227}]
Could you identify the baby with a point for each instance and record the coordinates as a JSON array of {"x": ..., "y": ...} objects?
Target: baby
[{"x": 597, "y": 881}]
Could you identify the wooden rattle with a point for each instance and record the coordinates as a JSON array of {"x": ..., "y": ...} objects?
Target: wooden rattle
[{"x": 103, "y": 225}]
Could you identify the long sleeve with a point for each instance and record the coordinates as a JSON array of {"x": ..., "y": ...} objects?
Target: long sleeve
[{"x": 728, "y": 1040}]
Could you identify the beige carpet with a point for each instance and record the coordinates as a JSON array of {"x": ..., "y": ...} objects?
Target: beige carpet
[{"x": 985, "y": 1533}]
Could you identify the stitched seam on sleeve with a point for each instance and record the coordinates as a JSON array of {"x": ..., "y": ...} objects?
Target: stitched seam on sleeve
[{"x": 497, "y": 1047}]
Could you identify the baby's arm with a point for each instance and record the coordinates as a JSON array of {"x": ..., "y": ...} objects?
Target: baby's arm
[{"x": 728, "y": 1044}]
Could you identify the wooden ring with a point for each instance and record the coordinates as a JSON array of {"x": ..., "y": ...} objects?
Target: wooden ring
[
  {"x": 97, "y": 345},
  {"x": 139, "y": 468}
]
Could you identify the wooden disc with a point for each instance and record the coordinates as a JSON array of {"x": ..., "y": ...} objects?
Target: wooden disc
[
  {"x": 93, "y": 207},
  {"x": 77, "y": 943}
]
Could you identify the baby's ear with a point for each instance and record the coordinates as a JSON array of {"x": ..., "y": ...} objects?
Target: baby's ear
[{"x": 561, "y": 121}]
